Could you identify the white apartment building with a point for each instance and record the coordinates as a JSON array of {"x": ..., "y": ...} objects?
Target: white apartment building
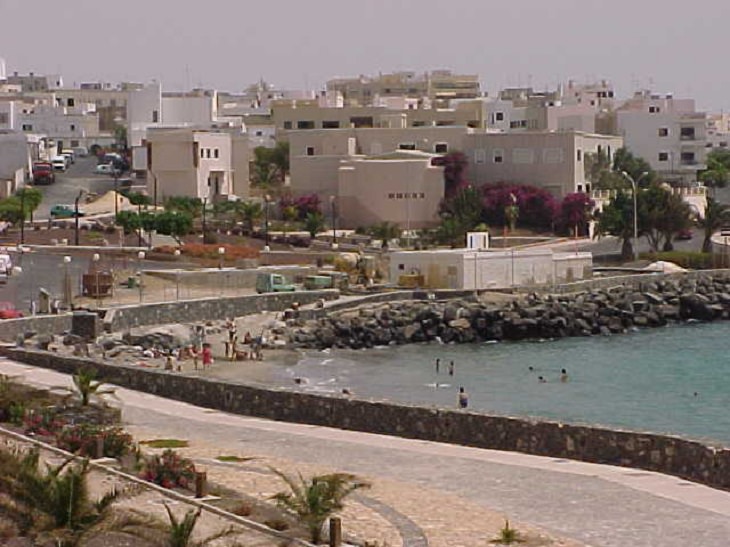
[
  {"x": 15, "y": 161},
  {"x": 200, "y": 163},
  {"x": 67, "y": 126},
  {"x": 718, "y": 131},
  {"x": 667, "y": 132}
]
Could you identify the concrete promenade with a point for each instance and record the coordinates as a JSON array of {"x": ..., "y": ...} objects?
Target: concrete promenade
[{"x": 434, "y": 494}]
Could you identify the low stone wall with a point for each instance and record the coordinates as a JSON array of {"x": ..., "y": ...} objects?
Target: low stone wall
[
  {"x": 673, "y": 455},
  {"x": 11, "y": 328},
  {"x": 125, "y": 317}
]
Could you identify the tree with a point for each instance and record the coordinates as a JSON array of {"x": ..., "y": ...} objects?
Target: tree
[
  {"x": 137, "y": 198},
  {"x": 617, "y": 219},
  {"x": 385, "y": 231},
  {"x": 598, "y": 171},
  {"x": 250, "y": 212},
  {"x": 716, "y": 216},
  {"x": 129, "y": 221},
  {"x": 459, "y": 214},
  {"x": 623, "y": 160},
  {"x": 86, "y": 385},
  {"x": 314, "y": 223},
  {"x": 536, "y": 205},
  {"x": 184, "y": 204},
  {"x": 10, "y": 210},
  {"x": 574, "y": 213},
  {"x": 173, "y": 223},
  {"x": 30, "y": 198},
  {"x": 717, "y": 174},
  {"x": 675, "y": 216},
  {"x": 454, "y": 164},
  {"x": 313, "y": 501},
  {"x": 271, "y": 165}
]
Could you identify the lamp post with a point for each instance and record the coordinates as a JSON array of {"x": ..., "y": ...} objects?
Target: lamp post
[
  {"x": 221, "y": 254},
  {"x": 95, "y": 263},
  {"x": 635, "y": 187},
  {"x": 267, "y": 199},
  {"x": 67, "y": 292},
  {"x": 140, "y": 258},
  {"x": 333, "y": 207},
  {"x": 22, "y": 216},
  {"x": 139, "y": 229},
  {"x": 205, "y": 226},
  {"x": 177, "y": 278},
  {"x": 76, "y": 218}
]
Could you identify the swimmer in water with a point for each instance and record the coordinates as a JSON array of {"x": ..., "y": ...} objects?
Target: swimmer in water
[
  {"x": 541, "y": 380},
  {"x": 563, "y": 376}
]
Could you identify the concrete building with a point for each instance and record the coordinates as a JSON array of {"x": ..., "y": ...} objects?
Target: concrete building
[
  {"x": 440, "y": 86},
  {"x": 35, "y": 82},
  {"x": 667, "y": 132},
  {"x": 481, "y": 269},
  {"x": 550, "y": 160},
  {"x": 15, "y": 162},
  {"x": 717, "y": 131},
  {"x": 205, "y": 164},
  {"x": 69, "y": 126}
]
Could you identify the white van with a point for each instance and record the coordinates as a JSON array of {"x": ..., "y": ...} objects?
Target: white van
[
  {"x": 70, "y": 153},
  {"x": 58, "y": 163}
]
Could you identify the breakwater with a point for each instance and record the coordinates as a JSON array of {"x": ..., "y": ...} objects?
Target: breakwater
[{"x": 652, "y": 302}]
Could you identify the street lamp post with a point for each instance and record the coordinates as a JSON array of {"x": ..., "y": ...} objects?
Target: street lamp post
[
  {"x": 95, "y": 261},
  {"x": 76, "y": 218},
  {"x": 177, "y": 278},
  {"x": 221, "y": 254},
  {"x": 205, "y": 226},
  {"x": 635, "y": 188},
  {"x": 333, "y": 206},
  {"x": 22, "y": 217},
  {"x": 267, "y": 198},
  {"x": 140, "y": 258},
  {"x": 67, "y": 291}
]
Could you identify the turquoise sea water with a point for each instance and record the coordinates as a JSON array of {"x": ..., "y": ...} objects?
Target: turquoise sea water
[{"x": 645, "y": 380}]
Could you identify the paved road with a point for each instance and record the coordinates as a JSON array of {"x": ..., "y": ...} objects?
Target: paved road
[{"x": 597, "y": 505}]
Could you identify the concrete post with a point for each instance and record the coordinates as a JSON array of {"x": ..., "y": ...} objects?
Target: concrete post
[
  {"x": 201, "y": 478},
  {"x": 335, "y": 532}
]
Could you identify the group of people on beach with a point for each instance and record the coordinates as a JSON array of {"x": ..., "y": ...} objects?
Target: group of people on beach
[{"x": 232, "y": 351}]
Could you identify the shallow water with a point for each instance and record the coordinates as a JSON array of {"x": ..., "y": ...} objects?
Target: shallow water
[{"x": 671, "y": 380}]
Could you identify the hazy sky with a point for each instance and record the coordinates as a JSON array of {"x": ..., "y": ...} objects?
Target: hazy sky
[{"x": 668, "y": 45}]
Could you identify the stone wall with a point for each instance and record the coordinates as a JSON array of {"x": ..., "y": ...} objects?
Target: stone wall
[
  {"x": 676, "y": 456},
  {"x": 11, "y": 328},
  {"x": 125, "y": 317}
]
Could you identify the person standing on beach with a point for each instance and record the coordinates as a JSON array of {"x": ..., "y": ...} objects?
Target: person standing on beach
[
  {"x": 463, "y": 398},
  {"x": 451, "y": 368},
  {"x": 563, "y": 375},
  {"x": 438, "y": 365}
]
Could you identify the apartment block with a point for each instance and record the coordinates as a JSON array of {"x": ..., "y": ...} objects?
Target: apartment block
[
  {"x": 717, "y": 131},
  {"x": 667, "y": 132},
  {"x": 554, "y": 161},
  {"x": 205, "y": 164}
]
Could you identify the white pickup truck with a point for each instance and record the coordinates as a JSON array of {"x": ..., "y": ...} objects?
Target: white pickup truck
[{"x": 6, "y": 266}]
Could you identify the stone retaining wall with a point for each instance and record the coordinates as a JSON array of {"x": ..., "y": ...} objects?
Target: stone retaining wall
[
  {"x": 676, "y": 456},
  {"x": 125, "y": 317},
  {"x": 633, "y": 280},
  {"x": 56, "y": 324}
]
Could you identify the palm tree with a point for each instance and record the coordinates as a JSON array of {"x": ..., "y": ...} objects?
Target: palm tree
[
  {"x": 385, "y": 231},
  {"x": 250, "y": 212},
  {"x": 313, "y": 223},
  {"x": 716, "y": 215},
  {"x": 313, "y": 501},
  {"x": 86, "y": 385}
]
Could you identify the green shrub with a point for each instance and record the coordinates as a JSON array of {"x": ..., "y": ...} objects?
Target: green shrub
[
  {"x": 168, "y": 470},
  {"x": 81, "y": 439}
]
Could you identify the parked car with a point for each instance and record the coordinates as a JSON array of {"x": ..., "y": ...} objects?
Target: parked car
[
  {"x": 70, "y": 153},
  {"x": 81, "y": 151},
  {"x": 8, "y": 311},
  {"x": 106, "y": 169},
  {"x": 683, "y": 235},
  {"x": 43, "y": 173},
  {"x": 64, "y": 211},
  {"x": 59, "y": 163}
]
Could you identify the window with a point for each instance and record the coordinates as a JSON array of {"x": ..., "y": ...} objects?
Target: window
[
  {"x": 419, "y": 124},
  {"x": 207, "y": 153},
  {"x": 523, "y": 156},
  {"x": 579, "y": 155},
  {"x": 310, "y": 151},
  {"x": 331, "y": 125},
  {"x": 287, "y": 125},
  {"x": 723, "y": 144},
  {"x": 499, "y": 116},
  {"x": 498, "y": 155},
  {"x": 391, "y": 196},
  {"x": 407, "y": 146},
  {"x": 202, "y": 152},
  {"x": 401, "y": 266},
  {"x": 399, "y": 196},
  {"x": 216, "y": 152},
  {"x": 305, "y": 124},
  {"x": 610, "y": 94},
  {"x": 73, "y": 127},
  {"x": 654, "y": 109},
  {"x": 441, "y": 148},
  {"x": 687, "y": 133},
  {"x": 155, "y": 116},
  {"x": 27, "y": 127},
  {"x": 70, "y": 102},
  {"x": 663, "y": 156},
  {"x": 423, "y": 195},
  {"x": 74, "y": 143},
  {"x": 663, "y": 131},
  {"x": 259, "y": 133},
  {"x": 3, "y": 117},
  {"x": 688, "y": 158}
]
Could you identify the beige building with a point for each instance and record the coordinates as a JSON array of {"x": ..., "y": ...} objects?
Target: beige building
[
  {"x": 440, "y": 86},
  {"x": 296, "y": 115},
  {"x": 206, "y": 164},
  {"x": 550, "y": 160}
]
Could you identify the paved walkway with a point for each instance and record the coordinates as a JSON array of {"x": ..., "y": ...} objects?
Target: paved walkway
[{"x": 436, "y": 494}]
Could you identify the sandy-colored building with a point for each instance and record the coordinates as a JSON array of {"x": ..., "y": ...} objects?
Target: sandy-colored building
[
  {"x": 551, "y": 160},
  {"x": 206, "y": 164}
]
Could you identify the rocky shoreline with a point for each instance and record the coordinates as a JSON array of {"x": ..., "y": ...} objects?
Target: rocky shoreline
[{"x": 705, "y": 297}]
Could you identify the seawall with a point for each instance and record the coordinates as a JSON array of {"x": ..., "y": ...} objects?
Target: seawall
[{"x": 685, "y": 458}]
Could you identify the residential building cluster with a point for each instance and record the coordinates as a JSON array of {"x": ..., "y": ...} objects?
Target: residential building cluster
[{"x": 369, "y": 141}]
